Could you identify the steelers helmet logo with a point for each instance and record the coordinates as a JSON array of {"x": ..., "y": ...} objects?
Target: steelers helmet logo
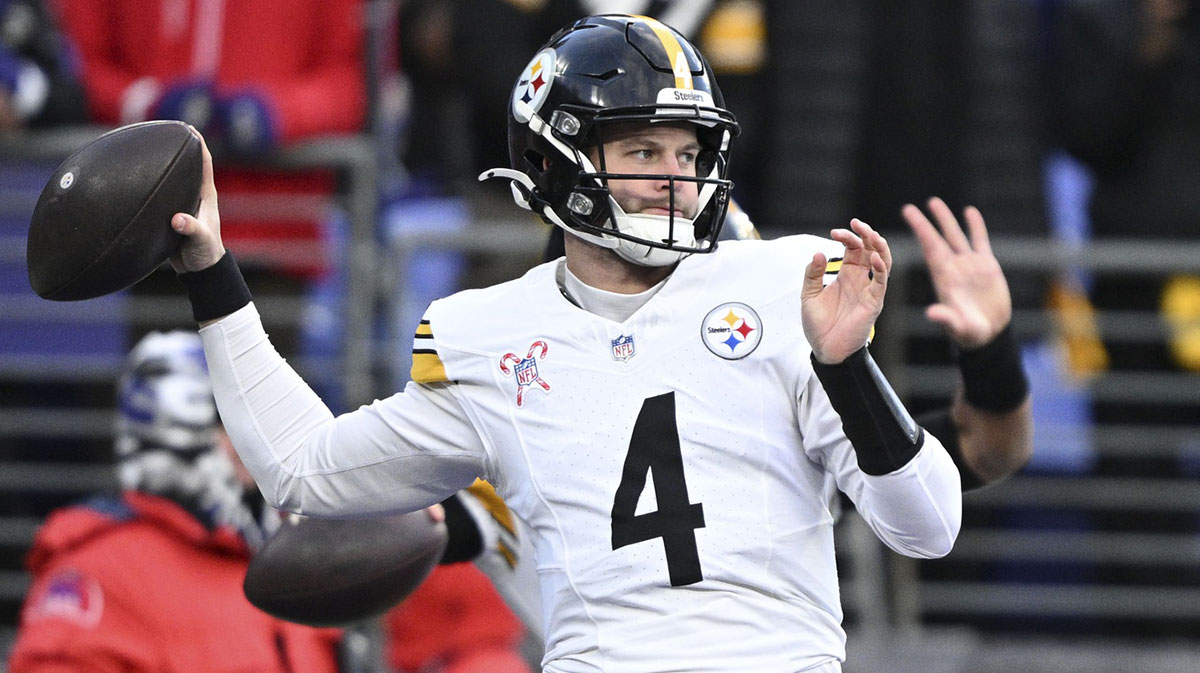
[
  {"x": 731, "y": 331},
  {"x": 534, "y": 84}
]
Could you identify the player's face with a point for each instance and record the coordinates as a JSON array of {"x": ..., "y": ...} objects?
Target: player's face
[{"x": 661, "y": 149}]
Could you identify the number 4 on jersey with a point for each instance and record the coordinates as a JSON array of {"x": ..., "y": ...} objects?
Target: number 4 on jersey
[{"x": 655, "y": 446}]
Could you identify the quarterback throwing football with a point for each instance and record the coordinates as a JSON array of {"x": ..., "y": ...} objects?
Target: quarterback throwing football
[{"x": 671, "y": 420}]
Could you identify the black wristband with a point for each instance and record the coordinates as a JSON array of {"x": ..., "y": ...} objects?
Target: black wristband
[
  {"x": 992, "y": 376},
  {"x": 216, "y": 291},
  {"x": 884, "y": 435}
]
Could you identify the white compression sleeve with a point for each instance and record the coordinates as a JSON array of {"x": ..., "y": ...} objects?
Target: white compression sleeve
[
  {"x": 406, "y": 452},
  {"x": 916, "y": 510}
]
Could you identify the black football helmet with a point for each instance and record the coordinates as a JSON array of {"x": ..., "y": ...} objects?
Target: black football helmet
[{"x": 604, "y": 70}]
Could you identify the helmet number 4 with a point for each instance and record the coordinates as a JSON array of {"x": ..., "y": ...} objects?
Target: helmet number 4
[
  {"x": 655, "y": 444},
  {"x": 683, "y": 72}
]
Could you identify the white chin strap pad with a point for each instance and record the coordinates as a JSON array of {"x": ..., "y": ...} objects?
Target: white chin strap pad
[
  {"x": 644, "y": 255},
  {"x": 646, "y": 227},
  {"x": 651, "y": 228}
]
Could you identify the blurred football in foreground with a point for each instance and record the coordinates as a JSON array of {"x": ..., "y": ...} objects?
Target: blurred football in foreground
[
  {"x": 331, "y": 572},
  {"x": 103, "y": 221}
]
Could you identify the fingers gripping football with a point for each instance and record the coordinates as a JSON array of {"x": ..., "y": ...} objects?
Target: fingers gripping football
[
  {"x": 201, "y": 246},
  {"x": 838, "y": 317}
]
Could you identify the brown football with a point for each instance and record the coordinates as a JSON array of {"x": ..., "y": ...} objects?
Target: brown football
[
  {"x": 103, "y": 220},
  {"x": 332, "y": 572}
]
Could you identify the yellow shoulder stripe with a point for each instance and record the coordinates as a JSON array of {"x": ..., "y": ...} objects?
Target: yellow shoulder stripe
[
  {"x": 510, "y": 557},
  {"x": 491, "y": 501},
  {"x": 743, "y": 228},
  {"x": 427, "y": 367}
]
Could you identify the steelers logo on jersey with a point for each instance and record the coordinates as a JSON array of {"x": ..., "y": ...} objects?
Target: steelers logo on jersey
[
  {"x": 534, "y": 85},
  {"x": 731, "y": 331}
]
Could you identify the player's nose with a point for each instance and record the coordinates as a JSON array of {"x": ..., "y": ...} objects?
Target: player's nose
[{"x": 672, "y": 165}]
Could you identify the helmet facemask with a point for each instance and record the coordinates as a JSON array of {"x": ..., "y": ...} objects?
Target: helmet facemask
[{"x": 692, "y": 222}]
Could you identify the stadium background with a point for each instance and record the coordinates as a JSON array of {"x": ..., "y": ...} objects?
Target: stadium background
[{"x": 1087, "y": 560}]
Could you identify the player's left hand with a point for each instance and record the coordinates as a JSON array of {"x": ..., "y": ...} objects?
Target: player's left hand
[
  {"x": 838, "y": 317},
  {"x": 973, "y": 302}
]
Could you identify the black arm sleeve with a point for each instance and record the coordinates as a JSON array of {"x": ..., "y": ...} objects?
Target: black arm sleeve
[{"x": 884, "y": 436}]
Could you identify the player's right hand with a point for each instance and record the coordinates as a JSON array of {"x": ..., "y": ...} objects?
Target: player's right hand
[
  {"x": 201, "y": 246},
  {"x": 838, "y": 317}
]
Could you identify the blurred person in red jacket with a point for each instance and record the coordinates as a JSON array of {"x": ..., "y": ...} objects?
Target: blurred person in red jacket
[
  {"x": 151, "y": 580},
  {"x": 479, "y": 607},
  {"x": 252, "y": 75},
  {"x": 455, "y": 622}
]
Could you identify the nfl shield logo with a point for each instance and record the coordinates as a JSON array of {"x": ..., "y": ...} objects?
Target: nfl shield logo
[
  {"x": 526, "y": 371},
  {"x": 622, "y": 348}
]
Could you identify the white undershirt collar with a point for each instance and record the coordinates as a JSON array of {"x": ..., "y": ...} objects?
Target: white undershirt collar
[{"x": 614, "y": 306}]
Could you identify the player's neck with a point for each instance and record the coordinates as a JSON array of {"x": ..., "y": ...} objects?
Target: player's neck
[{"x": 603, "y": 269}]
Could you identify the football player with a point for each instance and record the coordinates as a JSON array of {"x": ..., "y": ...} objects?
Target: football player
[
  {"x": 670, "y": 420},
  {"x": 989, "y": 435}
]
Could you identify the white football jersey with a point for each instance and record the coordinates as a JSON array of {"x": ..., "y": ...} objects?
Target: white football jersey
[{"x": 673, "y": 470}]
